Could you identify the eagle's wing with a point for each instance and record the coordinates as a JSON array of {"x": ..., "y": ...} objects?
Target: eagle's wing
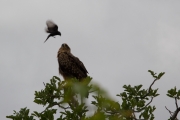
[
  {"x": 71, "y": 66},
  {"x": 51, "y": 27},
  {"x": 79, "y": 63}
]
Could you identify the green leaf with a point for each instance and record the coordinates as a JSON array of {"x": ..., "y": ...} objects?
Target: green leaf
[
  {"x": 57, "y": 78},
  {"x": 161, "y": 74},
  {"x": 153, "y": 74}
]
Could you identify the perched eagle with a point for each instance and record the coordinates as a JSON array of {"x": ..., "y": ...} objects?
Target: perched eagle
[
  {"x": 52, "y": 28},
  {"x": 69, "y": 65}
]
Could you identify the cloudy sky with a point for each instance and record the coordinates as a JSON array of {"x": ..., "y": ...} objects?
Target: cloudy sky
[{"x": 118, "y": 41}]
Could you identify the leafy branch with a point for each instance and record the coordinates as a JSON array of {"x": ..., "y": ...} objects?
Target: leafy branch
[{"x": 70, "y": 95}]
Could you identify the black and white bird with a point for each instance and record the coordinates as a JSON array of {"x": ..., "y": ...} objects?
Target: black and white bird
[{"x": 52, "y": 28}]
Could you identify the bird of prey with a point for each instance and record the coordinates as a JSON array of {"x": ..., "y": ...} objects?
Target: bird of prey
[
  {"x": 69, "y": 65},
  {"x": 52, "y": 28}
]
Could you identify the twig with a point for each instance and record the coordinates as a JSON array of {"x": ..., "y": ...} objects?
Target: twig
[
  {"x": 145, "y": 105},
  {"x": 174, "y": 114},
  {"x": 134, "y": 115},
  {"x": 149, "y": 88},
  {"x": 45, "y": 109},
  {"x": 55, "y": 103},
  {"x": 169, "y": 111},
  {"x": 44, "y": 84},
  {"x": 111, "y": 111},
  {"x": 176, "y": 103}
]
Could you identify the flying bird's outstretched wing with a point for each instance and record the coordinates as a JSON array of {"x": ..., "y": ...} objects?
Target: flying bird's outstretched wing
[{"x": 51, "y": 27}]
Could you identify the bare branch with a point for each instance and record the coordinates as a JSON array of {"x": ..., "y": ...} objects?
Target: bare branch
[
  {"x": 45, "y": 109},
  {"x": 175, "y": 114},
  {"x": 134, "y": 115},
  {"x": 149, "y": 88},
  {"x": 169, "y": 111},
  {"x": 110, "y": 112},
  {"x": 176, "y": 103},
  {"x": 55, "y": 103}
]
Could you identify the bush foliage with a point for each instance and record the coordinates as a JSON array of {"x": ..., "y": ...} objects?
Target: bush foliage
[{"x": 71, "y": 96}]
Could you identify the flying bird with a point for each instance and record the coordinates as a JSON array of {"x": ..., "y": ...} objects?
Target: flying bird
[
  {"x": 69, "y": 65},
  {"x": 52, "y": 28}
]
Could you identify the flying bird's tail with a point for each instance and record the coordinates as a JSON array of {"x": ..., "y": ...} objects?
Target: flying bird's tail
[{"x": 47, "y": 38}]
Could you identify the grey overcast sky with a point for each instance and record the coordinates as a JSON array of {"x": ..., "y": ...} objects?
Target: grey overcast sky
[{"x": 118, "y": 41}]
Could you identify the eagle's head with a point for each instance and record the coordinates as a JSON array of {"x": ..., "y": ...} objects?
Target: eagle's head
[{"x": 65, "y": 48}]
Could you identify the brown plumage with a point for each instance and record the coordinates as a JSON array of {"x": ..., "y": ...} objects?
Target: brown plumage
[{"x": 69, "y": 65}]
